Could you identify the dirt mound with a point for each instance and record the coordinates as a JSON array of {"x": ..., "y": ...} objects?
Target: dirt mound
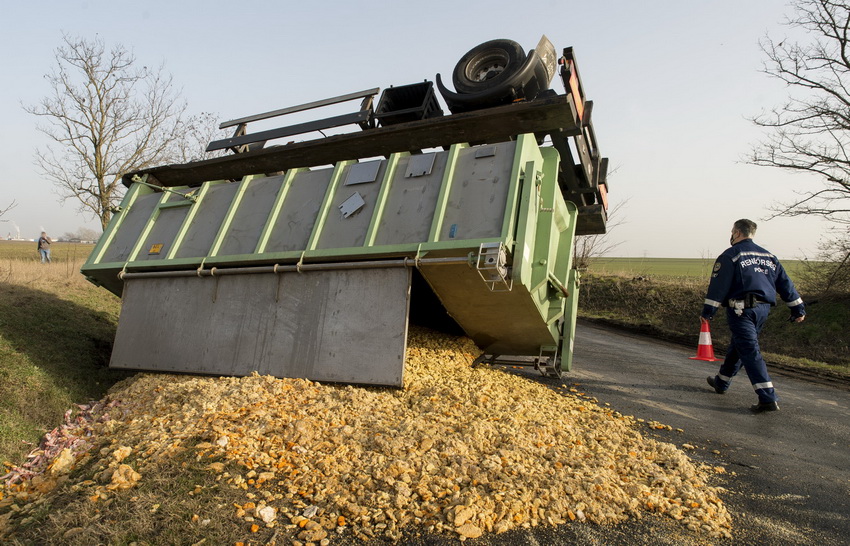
[{"x": 458, "y": 450}]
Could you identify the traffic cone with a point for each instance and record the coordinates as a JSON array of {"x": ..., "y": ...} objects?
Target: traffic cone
[{"x": 705, "y": 350}]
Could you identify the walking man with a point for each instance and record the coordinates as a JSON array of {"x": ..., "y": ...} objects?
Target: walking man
[
  {"x": 746, "y": 279},
  {"x": 44, "y": 247}
]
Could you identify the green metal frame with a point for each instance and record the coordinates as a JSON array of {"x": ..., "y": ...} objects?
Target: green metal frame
[
  {"x": 524, "y": 231},
  {"x": 310, "y": 252},
  {"x": 276, "y": 208},
  {"x": 190, "y": 217},
  {"x": 383, "y": 195},
  {"x": 115, "y": 223},
  {"x": 445, "y": 190},
  {"x": 324, "y": 210},
  {"x": 537, "y": 230},
  {"x": 147, "y": 229},
  {"x": 231, "y": 213}
]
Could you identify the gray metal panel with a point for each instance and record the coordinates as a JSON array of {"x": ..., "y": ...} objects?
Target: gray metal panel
[
  {"x": 300, "y": 208},
  {"x": 476, "y": 205},
  {"x": 409, "y": 209},
  {"x": 165, "y": 228},
  {"x": 251, "y": 216},
  {"x": 322, "y": 326},
  {"x": 206, "y": 223},
  {"x": 352, "y": 205},
  {"x": 128, "y": 233},
  {"x": 485, "y": 151},
  {"x": 363, "y": 173},
  {"x": 344, "y": 232},
  {"x": 420, "y": 165}
]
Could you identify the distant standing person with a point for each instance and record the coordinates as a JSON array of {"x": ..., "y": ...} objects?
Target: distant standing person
[
  {"x": 44, "y": 247},
  {"x": 746, "y": 279}
]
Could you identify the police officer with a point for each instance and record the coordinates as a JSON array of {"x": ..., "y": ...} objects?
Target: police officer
[{"x": 746, "y": 279}]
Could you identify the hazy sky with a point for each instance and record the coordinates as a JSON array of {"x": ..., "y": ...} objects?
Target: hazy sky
[{"x": 673, "y": 83}]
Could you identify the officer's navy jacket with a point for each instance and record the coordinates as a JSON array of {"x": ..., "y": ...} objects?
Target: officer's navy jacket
[{"x": 746, "y": 268}]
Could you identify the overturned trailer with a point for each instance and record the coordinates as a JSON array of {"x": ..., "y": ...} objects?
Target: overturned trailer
[{"x": 308, "y": 259}]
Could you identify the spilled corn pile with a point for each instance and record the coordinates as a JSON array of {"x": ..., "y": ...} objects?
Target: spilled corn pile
[{"x": 459, "y": 451}]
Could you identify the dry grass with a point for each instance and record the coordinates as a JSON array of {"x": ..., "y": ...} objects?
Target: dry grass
[
  {"x": 56, "y": 332},
  {"x": 20, "y": 264},
  {"x": 34, "y": 274}
]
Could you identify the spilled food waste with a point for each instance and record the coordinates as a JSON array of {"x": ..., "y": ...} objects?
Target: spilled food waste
[{"x": 459, "y": 451}]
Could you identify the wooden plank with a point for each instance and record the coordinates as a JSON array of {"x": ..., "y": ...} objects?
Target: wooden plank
[{"x": 482, "y": 126}]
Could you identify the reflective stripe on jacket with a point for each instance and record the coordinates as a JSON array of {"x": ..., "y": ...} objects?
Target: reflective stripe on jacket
[{"x": 746, "y": 268}]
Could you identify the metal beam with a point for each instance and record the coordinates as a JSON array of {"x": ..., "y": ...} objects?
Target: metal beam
[
  {"x": 301, "y": 108},
  {"x": 298, "y": 129},
  {"x": 491, "y": 125}
]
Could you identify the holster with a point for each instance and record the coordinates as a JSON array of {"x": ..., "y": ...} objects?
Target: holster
[{"x": 749, "y": 301}]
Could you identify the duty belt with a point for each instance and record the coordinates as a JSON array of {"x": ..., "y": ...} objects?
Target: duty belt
[{"x": 749, "y": 301}]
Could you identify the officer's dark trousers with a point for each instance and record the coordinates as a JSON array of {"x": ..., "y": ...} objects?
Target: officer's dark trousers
[{"x": 744, "y": 351}]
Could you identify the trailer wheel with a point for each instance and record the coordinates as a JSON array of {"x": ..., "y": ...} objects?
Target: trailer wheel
[{"x": 487, "y": 65}]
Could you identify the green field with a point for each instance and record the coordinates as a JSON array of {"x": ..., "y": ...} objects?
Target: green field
[
  {"x": 696, "y": 268},
  {"x": 64, "y": 253}
]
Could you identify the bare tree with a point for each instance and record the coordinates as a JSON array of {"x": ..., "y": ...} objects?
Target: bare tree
[
  {"x": 196, "y": 132},
  {"x": 11, "y": 205},
  {"x": 829, "y": 272},
  {"x": 82, "y": 234},
  {"x": 810, "y": 132},
  {"x": 587, "y": 247},
  {"x": 105, "y": 116}
]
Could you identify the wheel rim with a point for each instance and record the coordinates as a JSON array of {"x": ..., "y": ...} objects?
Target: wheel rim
[{"x": 489, "y": 64}]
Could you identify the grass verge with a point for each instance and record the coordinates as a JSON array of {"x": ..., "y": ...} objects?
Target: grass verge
[
  {"x": 56, "y": 333},
  {"x": 669, "y": 308}
]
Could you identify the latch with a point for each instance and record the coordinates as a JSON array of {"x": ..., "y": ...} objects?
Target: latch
[
  {"x": 538, "y": 182},
  {"x": 492, "y": 265},
  {"x": 143, "y": 181}
]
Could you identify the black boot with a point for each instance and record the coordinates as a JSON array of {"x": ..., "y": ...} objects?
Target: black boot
[
  {"x": 710, "y": 381},
  {"x": 764, "y": 406}
]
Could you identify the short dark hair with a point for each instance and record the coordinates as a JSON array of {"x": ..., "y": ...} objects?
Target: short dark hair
[{"x": 746, "y": 227}]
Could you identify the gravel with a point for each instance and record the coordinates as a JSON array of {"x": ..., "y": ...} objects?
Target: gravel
[{"x": 458, "y": 451}]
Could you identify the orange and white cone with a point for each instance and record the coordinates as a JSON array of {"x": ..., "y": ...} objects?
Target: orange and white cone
[{"x": 705, "y": 350}]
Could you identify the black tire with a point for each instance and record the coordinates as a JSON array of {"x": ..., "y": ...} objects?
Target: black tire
[{"x": 487, "y": 65}]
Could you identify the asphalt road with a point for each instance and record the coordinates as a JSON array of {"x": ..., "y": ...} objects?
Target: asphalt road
[{"x": 788, "y": 475}]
